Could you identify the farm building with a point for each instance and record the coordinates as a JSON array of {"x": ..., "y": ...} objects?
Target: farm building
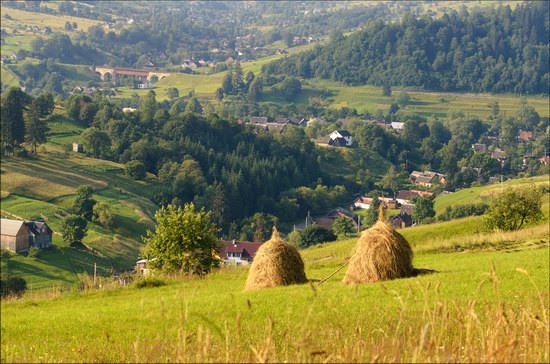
[
  {"x": 40, "y": 234},
  {"x": 238, "y": 252},
  {"x": 401, "y": 221},
  {"x": 77, "y": 147},
  {"x": 14, "y": 235}
]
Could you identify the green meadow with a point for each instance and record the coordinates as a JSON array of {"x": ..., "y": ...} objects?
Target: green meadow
[{"x": 481, "y": 305}]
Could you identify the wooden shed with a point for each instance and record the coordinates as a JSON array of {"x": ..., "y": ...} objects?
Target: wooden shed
[{"x": 14, "y": 235}]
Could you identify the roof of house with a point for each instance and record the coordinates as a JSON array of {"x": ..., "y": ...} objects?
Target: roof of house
[
  {"x": 479, "y": 147},
  {"x": 545, "y": 160},
  {"x": 275, "y": 127},
  {"x": 407, "y": 209},
  {"x": 525, "y": 134},
  {"x": 232, "y": 246},
  {"x": 10, "y": 227},
  {"x": 498, "y": 154},
  {"x": 406, "y": 195},
  {"x": 406, "y": 218},
  {"x": 338, "y": 141},
  {"x": 364, "y": 200},
  {"x": 258, "y": 119},
  {"x": 38, "y": 227},
  {"x": 424, "y": 179},
  {"x": 343, "y": 133},
  {"x": 397, "y": 125}
]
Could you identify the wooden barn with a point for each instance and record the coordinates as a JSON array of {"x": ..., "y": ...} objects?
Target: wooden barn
[
  {"x": 40, "y": 234},
  {"x": 14, "y": 235}
]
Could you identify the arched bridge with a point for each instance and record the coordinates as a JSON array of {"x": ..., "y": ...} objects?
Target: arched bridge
[{"x": 111, "y": 73}]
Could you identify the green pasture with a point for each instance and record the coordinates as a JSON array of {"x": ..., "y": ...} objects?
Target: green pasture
[
  {"x": 482, "y": 193},
  {"x": 56, "y": 22},
  {"x": 213, "y": 319}
]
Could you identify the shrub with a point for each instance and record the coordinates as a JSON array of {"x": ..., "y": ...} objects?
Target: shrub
[
  {"x": 5, "y": 254},
  {"x": 511, "y": 209},
  {"x": 149, "y": 282},
  {"x": 343, "y": 226},
  {"x": 316, "y": 234},
  {"x": 294, "y": 237},
  {"x": 21, "y": 152},
  {"x": 12, "y": 285},
  {"x": 33, "y": 252},
  {"x": 460, "y": 211},
  {"x": 135, "y": 169}
]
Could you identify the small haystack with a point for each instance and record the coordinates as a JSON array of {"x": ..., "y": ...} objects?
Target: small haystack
[
  {"x": 381, "y": 253},
  {"x": 276, "y": 263}
]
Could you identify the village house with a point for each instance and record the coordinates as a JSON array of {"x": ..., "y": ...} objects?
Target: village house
[
  {"x": 479, "y": 148},
  {"x": 366, "y": 202},
  {"x": 258, "y": 120},
  {"x": 78, "y": 148},
  {"x": 145, "y": 85},
  {"x": 404, "y": 197},
  {"x": 545, "y": 160},
  {"x": 427, "y": 178},
  {"x": 238, "y": 252},
  {"x": 499, "y": 154},
  {"x": 401, "y": 221},
  {"x": 328, "y": 219},
  {"x": 397, "y": 125},
  {"x": 525, "y": 135},
  {"x": 14, "y": 235},
  {"x": 340, "y": 138}
]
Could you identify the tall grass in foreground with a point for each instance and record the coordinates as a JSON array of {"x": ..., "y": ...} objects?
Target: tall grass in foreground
[{"x": 441, "y": 330}]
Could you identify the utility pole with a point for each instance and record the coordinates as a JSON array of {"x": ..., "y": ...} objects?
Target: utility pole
[{"x": 95, "y": 271}]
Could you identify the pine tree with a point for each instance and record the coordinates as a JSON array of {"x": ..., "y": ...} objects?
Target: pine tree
[
  {"x": 237, "y": 78},
  {"x": 35, "y": 127},
  {"x": 13, "y": 124}
]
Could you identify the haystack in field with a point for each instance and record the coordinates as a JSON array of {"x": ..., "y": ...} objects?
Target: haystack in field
[
  {"x": 381, "y": 253},
  {"x": 276, "y": 263}
]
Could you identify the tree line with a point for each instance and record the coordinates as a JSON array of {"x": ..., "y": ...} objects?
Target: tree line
[{"x": 482, "y": 50}]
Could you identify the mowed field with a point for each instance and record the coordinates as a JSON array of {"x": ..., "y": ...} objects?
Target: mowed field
[
  {"x": 481, "y": 305},
  {"x": 46, "y": 185}
]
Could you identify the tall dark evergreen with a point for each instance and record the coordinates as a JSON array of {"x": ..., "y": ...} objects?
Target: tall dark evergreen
[{"x": 14, "y": 101}]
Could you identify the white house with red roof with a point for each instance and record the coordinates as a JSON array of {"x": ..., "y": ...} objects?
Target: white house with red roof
[{"x": 238, "y": 252}]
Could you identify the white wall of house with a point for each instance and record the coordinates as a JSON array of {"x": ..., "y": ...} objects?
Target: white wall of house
[
  {"x": 235, "y": 258},
  {"x": 335, "y": 134}
]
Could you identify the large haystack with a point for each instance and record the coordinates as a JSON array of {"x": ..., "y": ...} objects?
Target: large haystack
[
  {"x": 381, "y": 253},
  {"x": 276, "y": 263}
]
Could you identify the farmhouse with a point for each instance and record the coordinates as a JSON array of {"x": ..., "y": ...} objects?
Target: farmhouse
[
  {"x": 258, "y": 120},
  {"x": 405, "y": 197},
  {"x": 14, "y": 235},
  {"x": 397, "y": 125},
  {"x": 238, "y": 252},
  {"x": 341, "y": 138}
]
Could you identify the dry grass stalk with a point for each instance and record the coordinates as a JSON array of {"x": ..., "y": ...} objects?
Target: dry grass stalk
[
  {"x": 381, "y": 253},
  {"x": 276, "y": 263}
]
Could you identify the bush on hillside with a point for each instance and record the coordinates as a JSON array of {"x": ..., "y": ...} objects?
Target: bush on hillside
[
  {"x": 33, "y": 252},
  {"x": 135, "y": 169},
  {"x": 5, "y": 254},
  {"x": 460, "y": 211},
  {"x": 512, "y": 209},
  {"x": 343, "y": 226},
  {"x": 149, "y": 282},
  {"x": 11, "y": 285},
  {"x": 316, "y": 234}
]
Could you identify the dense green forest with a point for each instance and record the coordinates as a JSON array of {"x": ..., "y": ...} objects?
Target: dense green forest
[
  {"x": 482, "y": 50},
  {"x": 243, "y": 175}
]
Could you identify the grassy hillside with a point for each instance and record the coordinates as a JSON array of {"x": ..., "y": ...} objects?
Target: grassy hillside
[
  {"x": 480, "y": 194},
  {"x": 466, "y": 311},
  {"x": 46, "y": 184}
]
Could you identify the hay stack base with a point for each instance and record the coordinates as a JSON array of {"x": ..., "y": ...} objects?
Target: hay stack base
[
  {"x": 276, "y": 263},
  {"x": 381, "y": 253}
]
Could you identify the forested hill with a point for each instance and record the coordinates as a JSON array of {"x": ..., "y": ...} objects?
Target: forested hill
[{"x": 492, "y": 50}]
